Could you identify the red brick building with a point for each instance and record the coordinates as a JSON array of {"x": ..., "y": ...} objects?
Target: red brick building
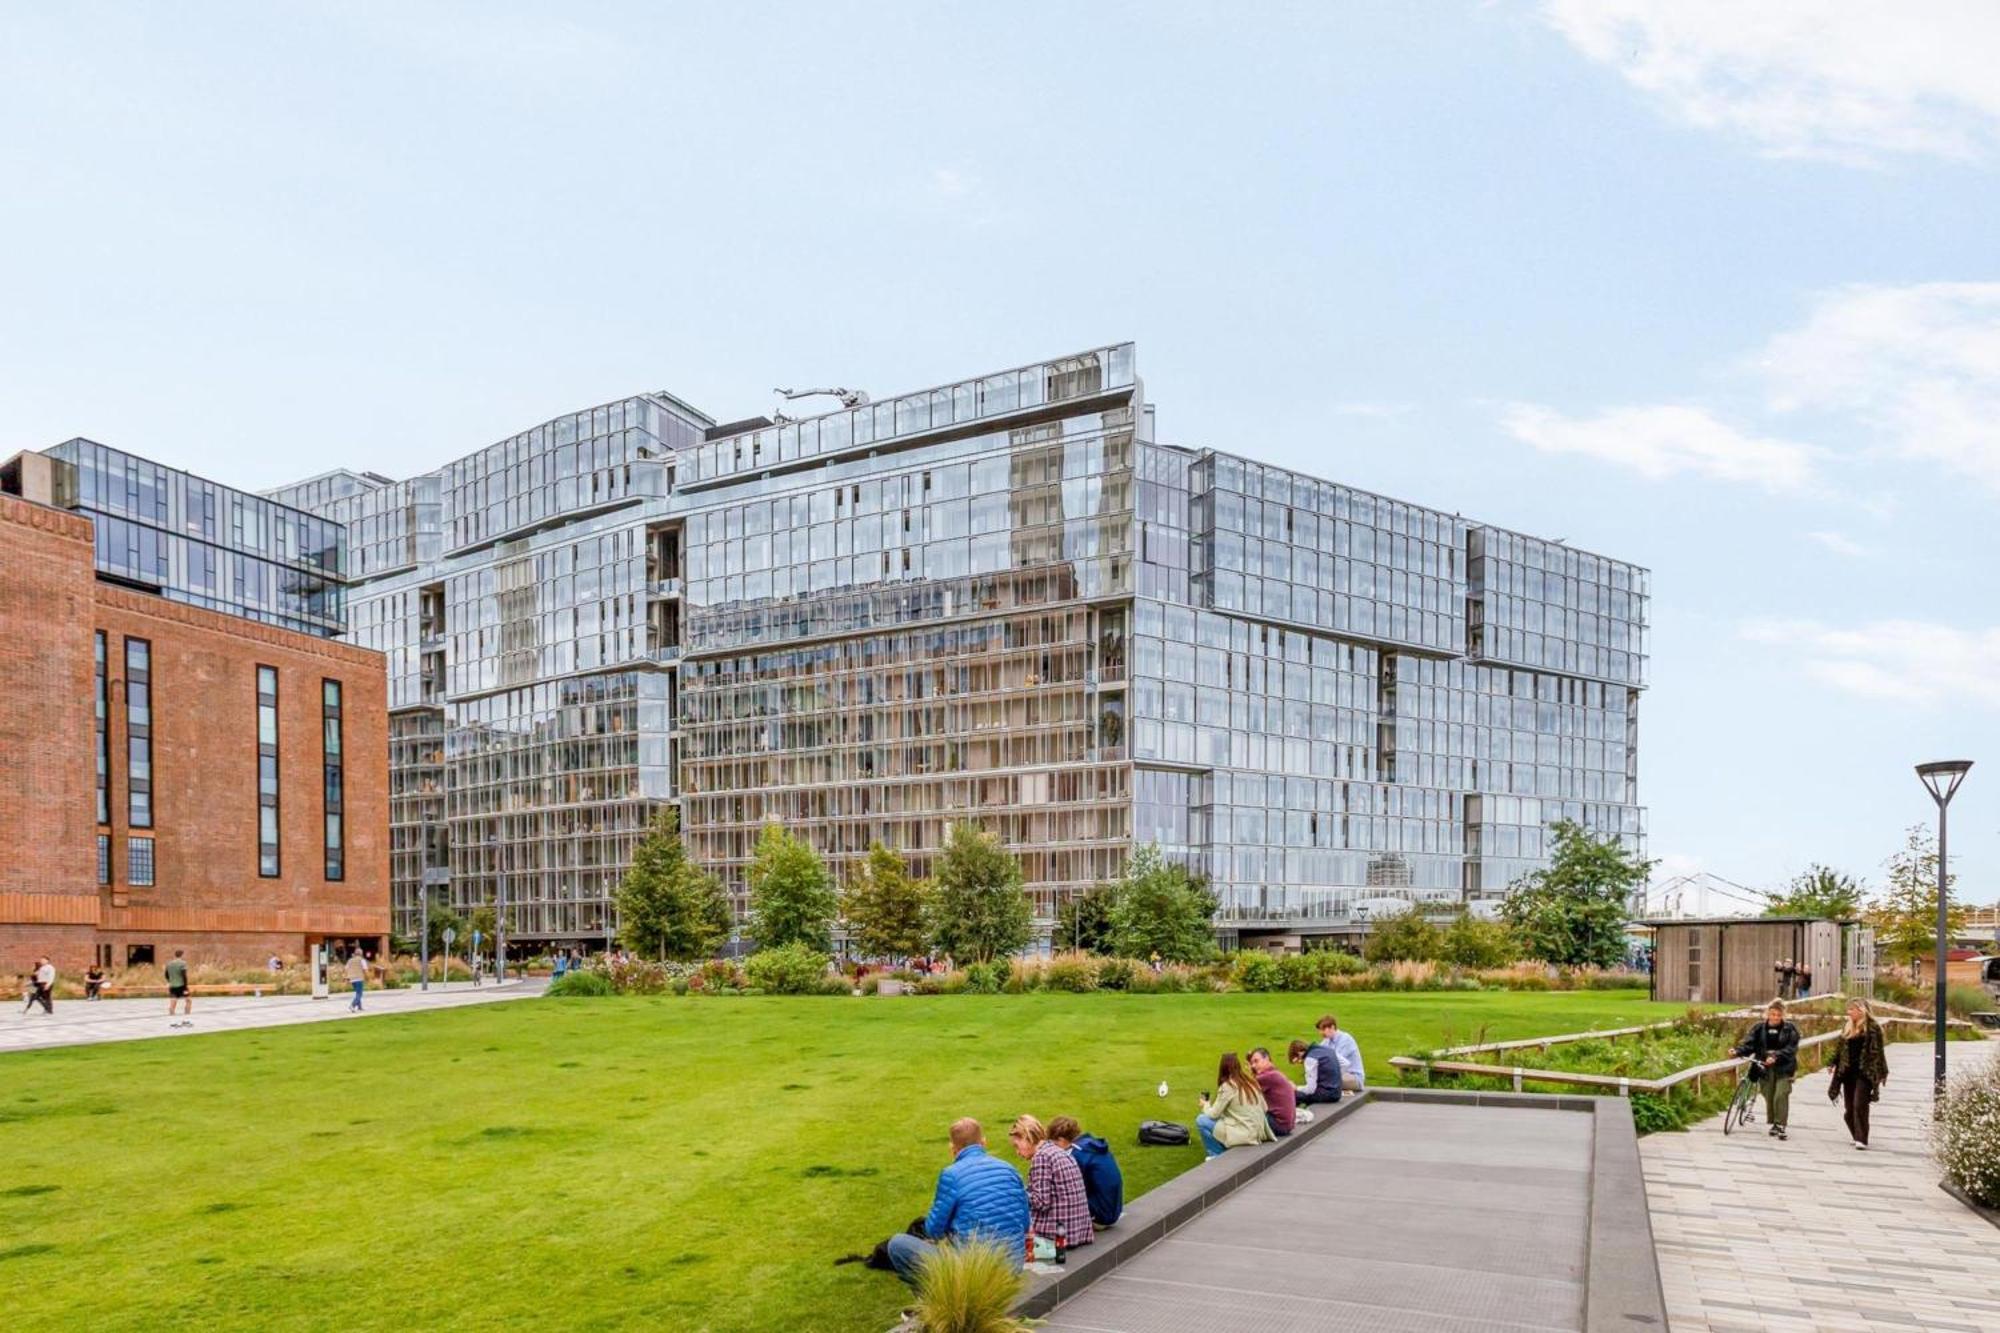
[{"x": 173, "y": 776}]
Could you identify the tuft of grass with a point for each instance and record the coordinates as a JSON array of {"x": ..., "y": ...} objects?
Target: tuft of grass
[{"x": 968, "y": 1289}]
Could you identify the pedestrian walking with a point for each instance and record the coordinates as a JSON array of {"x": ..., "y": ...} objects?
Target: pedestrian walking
[
  {"x": 177, "y": 989},
  {"x": 1773, "y": 1048},
  {"x": 1859, "y": 1067},
  {"x": 45, "y": 986},
  {"x": 357, "y": 977}
]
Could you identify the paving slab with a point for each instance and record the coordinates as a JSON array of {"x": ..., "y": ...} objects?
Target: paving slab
[
  {"x": 1409, "y": 1215},
  {"x": 85, "y": 1022},
  {"x": 1766, "y": 1237}
]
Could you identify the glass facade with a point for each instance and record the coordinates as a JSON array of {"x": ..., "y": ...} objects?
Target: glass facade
[
  {"x": 996, "y": 600},
  {"x": 138, "y": 733},
  {"x": 194, "y": 541},
  {"x": 267, "y": 771},
  {"x": 335, "y": 779}
]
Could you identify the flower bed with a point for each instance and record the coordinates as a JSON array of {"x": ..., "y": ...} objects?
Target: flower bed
[{"x": 1965, "y": 1134}]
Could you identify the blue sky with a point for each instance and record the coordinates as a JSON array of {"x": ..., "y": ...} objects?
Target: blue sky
[{"x": 1707, "y": 288}]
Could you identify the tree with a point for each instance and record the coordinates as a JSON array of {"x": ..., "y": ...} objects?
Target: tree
[
  {"x": 668, "y": 907},
  {"x": 1408, "y": 936},
  {"x": 1905, "y": 916},
  {"x": 442, "y": 918},
  {"x": 479, "y": 921},
  {"x": 1471, "y": 941},
  {"x": 1084, "y": 922},
  {"x": 884, "y": 906},
  {"x": 1160, "y": 908},
  {"x": 978, "y": 911},
  {"x": 1573, "y": 912},
  {"x": 1817, "y": 891},
  {"x": 792, "y": 896}
]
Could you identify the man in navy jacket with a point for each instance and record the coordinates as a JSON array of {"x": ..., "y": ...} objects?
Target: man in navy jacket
[{"x": 979, "y": 1198}]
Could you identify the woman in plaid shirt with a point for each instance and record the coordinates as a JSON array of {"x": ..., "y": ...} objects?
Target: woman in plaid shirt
[{"x": 1057, "y": 1206}]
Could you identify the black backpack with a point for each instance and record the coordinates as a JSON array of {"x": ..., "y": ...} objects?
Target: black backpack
[{"x": 1162, "y": 1134}]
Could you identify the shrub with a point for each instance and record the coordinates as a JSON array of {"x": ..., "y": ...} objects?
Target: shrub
[
  {"x": 640, "y": 976},
  {"x": 790, "y": 969},
  {"x": 1898, "y": 990},
  {"x": 587, "y": 982},
  {"x": 968, "y": 1288},
  {"x": 942, "y": 983},
  {"x": 1072, "y": 973},
  {"x": 1406, "y": 936},
  {"x": 1965, "y": 1001},
  {"x": 1251, "y": 970},
  {"x": 1020, "y": 976},
  {"x": 983, "y": 978},
  {"x": 1471, "y": 941},
  {"x": 1117, "y": 973},
  {"x": 718, "y": 974},
  {"x": 870, "y": 984},
  {"x": 1965, "y": 1134}
]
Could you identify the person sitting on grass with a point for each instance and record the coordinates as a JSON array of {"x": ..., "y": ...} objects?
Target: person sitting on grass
[
  {"x": 1234, "y": 1116},
  {"x": 1348, "y": 1051},
  {"x": 1058, "y": 1207},
  {"x": 979, "y": 1198},
  {"x": 1103, "y": 1182},
  {"x": 1280, "y": 1097},
  {"x": 1322, "y": 1073}
]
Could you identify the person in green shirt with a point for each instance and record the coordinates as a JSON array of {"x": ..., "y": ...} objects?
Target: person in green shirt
[{"x": 177, "y": 989}]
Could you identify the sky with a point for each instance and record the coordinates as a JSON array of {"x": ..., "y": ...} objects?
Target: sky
[{"x": 1704, "y": 286}]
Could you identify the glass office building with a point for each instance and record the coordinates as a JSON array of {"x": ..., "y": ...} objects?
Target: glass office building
[
  {"x": 998, "y": 600},
  {"x": 198, "y": 542}
]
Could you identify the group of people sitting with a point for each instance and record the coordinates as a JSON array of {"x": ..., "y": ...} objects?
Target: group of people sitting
[
  {"x": 1259, "y": 1103},
  {"x": 1073, "y": 1188}
]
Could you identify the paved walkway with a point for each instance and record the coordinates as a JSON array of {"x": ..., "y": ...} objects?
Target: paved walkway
[
  {"x": 1810, "y": 1235},
  {"x": 1448, "y": 1219},
  {"x": 79, "y": 1022}
]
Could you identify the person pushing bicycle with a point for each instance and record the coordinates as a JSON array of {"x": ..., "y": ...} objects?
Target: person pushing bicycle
[{"x": 1773, "y": 1049}]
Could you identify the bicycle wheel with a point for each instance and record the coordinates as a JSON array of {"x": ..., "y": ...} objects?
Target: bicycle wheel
[{"x": 1739, "y": 1107}]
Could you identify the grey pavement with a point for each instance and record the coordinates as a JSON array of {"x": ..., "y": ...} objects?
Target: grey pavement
[
  {"x": 1407, "y": 1216},
  {"x": 1810, "y": 1236},
  {"x": 82, "y": 1022}
]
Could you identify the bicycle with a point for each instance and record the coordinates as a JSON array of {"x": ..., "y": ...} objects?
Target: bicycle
[{"x": 1743, "y": 1106}]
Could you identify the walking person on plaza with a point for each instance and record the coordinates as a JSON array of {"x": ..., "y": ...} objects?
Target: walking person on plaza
[
  {"x": 177, "y": 989},
  {"x": 1773, "y": 1047},
  {"x": 357, "y": 977},
  {"x": 43, "y": 987},
  {"x": 1860, "y": 1067}
]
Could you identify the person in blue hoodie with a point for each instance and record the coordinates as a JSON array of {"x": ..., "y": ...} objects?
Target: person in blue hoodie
[
  {"x": 979, "y": 1198},
  {"x": 1103, "y": 1182}
]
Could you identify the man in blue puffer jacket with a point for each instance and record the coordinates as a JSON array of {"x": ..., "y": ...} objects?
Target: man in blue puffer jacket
[{"x": 979, "y": 1198}]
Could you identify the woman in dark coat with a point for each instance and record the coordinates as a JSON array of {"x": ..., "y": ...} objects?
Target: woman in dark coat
[{"x": 1859, "y": 1068}]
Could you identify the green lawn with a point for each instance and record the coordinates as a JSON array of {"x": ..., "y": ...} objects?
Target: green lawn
[{"x": 668, "y": 1163}]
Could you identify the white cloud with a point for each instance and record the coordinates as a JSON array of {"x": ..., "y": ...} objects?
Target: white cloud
[
  {"x": 1666, "y": 440},
  {"x": 1847, "y": 80},
  {"x": 1839, "y": 544},
  {"x": 1919, "y": 363},
  {"x": 1905, "y": 661}
]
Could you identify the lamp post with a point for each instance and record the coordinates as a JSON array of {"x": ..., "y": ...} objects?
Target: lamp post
[
  {"x": 424, "y": 930},
  {"x": 1941, "y": 779}
]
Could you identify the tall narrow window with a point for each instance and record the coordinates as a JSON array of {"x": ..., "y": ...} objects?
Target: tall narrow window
[
  {"x": 139, "y": 861},
  {"x": 138, "y": 733},
  {"x": 103, "y": 733},
  {"x": 336, "y": 862},
  {"x": 267, "y": 771}
]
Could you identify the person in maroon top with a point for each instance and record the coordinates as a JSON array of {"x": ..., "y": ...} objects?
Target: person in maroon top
[{"x": 1281, "y": 1096}]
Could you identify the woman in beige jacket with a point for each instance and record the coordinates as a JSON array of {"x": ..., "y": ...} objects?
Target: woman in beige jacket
[{"x": 1234, "y": 1117}]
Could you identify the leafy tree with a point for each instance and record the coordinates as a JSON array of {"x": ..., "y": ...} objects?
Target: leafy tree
[
  {"x": 884, "y": 906},
  {"x": 1160, "y": 908},
  {"x": 1084, "y": 922},
  {"x": 978, "y": 911},
  {"x": 479, "y": 921},
  {"x": 1471, "y": 941},
  {"x": 1408, "y": 936},
  {"x": 1905, "y": 916},
  {"x": 668, "y": 907},
  {"x": 792, "y": 897},
  {"x": 444, "y": 917},
  {"x": 1817, "y": 891},
  {"x": 1573, "y": 912}
]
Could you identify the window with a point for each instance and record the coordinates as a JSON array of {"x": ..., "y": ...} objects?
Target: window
[
  {"x": 267, "y": 771},
  {"x": 138, "y": 955},
  {"x": 139, "y": 861},
  {"x": 336, "y": 867},
  {"x": 103, "y": 734},
  {"x": 139, "y": 733},
  {"x": 103, "y": 858}
]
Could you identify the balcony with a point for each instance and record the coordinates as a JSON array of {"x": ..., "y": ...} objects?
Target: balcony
[
  {"x": 662, "y": 589},
  {"x": 665, "y": 652}
]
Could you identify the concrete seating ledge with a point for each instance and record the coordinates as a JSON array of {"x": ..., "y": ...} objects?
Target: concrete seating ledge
[
  {"x": 1159, "y": 1213},
  {"x": 1622, "y": 1285}
]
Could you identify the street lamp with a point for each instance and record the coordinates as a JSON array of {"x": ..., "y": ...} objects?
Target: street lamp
[
  {"x": 424, "y": 887},
  {"x": 1941, "y": 779}
]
